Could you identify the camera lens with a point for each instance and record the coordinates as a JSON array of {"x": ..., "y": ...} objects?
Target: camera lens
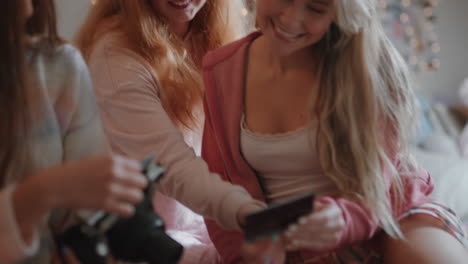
[
  {"x": 84, "y": 244},
  {"x": 159, "y": 248},
  {"x": 142, "y": 238}
]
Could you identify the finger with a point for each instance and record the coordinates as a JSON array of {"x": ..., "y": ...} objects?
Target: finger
[
  {"x": 319, "y": 207},
  {"x": 316, "y": 241},
  {"x": 123, "y": 193},
  {"x": 336, "y": 224},
  {"x": 331, "y": 238},
  {"x": 294, "y": 245},
  {"x": 123, "y": 175},
  {"x": 328, "y": 213},
  {"x": 322, "y": 223},
  {"x": 297, "y": 231},
  {"x": 128, "y": 175},
  {"x": 304, "y": 226},
  {"x": 130, "y": 164},
  {"x": 127, "y": 162},
  {"x": 136, "y": 180},
  {"x": 319, "y": 204},
  {"x": 306, "y": 229},
  {"x": 302, "y": 234},
  {"x": 119, "y": 208},
  {"x": 303, "y": 244}
]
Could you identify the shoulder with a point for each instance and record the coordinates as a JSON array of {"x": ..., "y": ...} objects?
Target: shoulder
[
  {"x": 115, "y": 67},
  {"x": 113, "y": 46},
  {"x": 68, "y": 58},
  {"x": 58, "y": 68},
  {"x": 112, "y": 55},
  {"x": 227, "y": 52},
  {"x": 58, "y": 59}
]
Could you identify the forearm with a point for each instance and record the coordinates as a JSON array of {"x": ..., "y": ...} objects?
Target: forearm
[
  {"x": 360, "y": 224},
  {"x": 30, "y": 202}
]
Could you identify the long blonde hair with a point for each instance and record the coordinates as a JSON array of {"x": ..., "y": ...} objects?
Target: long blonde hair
[
  {"x": 366, "y": 108},
  {"x": 178, "y": 72}
]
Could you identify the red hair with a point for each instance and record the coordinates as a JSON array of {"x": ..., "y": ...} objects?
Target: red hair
[{"x": 178, "y": 73}]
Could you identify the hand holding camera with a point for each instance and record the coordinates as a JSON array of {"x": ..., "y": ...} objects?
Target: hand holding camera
[
  {"x": 111, "y": 183},
  {"x": 139, "y": 238}
]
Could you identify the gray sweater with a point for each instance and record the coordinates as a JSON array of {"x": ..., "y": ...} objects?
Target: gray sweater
[{"x": 67, "y": 127}]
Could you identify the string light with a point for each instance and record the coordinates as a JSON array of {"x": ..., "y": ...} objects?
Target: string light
[{"x": 410, "y": 23}]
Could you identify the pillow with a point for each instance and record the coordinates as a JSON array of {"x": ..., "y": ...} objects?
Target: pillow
[
  {"x": 450, "y": 124},
  {"x": 450, "y": 175},
  {"x": 423, "y": 124},
  {"x": 464, "y": 142},
  {"x": 442, "y": 144},
  {"x": 463, "y": 92}
]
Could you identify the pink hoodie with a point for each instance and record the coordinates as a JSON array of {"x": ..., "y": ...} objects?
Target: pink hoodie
[{"x": 224, "y": 75}]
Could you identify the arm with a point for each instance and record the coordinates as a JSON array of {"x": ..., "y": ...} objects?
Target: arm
[
  {"x": 417, "y": 185},
  {"x": 137, "y": 124},
  {"x": 24, "y": 205},
  {"x": 89, "y": 184},
  {"x": 337, "y": 222},
  {"x": 18, "y": 221},
  {"x": 81, "y": 125},
  {"x": 82, "y": 133},
  {"x": 359, "y": 223}
]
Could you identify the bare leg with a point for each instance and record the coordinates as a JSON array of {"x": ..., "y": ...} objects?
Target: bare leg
[{"x": 425, "y": 243}]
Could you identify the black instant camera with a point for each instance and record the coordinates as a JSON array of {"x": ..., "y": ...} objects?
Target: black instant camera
[{"x": 141, "y": 238}]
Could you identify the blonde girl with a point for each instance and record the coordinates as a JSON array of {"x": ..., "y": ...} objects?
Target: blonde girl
[{"x": 320, "y": 101}]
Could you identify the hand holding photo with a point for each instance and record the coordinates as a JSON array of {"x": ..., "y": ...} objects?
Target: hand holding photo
[{"x": 277, "y": 217}]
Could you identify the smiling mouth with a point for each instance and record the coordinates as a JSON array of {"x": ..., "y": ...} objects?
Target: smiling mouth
[
  {"x": 283, "y": 34},
  {"x": 180, "y": 4}
]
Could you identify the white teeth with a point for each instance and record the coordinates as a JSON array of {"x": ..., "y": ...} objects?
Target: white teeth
[
  {"x": 286, "y": 34},
  {"x": 181, "y": 3}
]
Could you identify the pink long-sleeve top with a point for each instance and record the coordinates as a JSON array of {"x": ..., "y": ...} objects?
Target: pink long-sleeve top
[
  {"x": 224, "y": 75},
  {"x": 137, "y": 124}
]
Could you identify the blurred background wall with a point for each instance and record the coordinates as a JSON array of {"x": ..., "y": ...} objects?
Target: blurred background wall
[{"x": 443, "y": 84}]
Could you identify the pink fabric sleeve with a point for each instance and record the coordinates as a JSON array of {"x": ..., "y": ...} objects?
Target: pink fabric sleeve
[
  {"x": 12, "y": 246},
  {"x": 360, "y": 225},
  {"x": 137, "y": 124}
]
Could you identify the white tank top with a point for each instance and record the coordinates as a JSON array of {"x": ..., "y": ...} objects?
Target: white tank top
[{"x": 286, "y": 163}]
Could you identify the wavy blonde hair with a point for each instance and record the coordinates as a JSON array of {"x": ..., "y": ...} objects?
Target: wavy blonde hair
[
  {"x": 366, "y": 108},
  {"x": 177, "y": 71}
]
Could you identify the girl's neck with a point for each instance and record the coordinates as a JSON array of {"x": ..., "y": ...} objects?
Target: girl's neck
[
  {"x": 304, "y": 59},
  {"x": 181, "y": 29}
]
